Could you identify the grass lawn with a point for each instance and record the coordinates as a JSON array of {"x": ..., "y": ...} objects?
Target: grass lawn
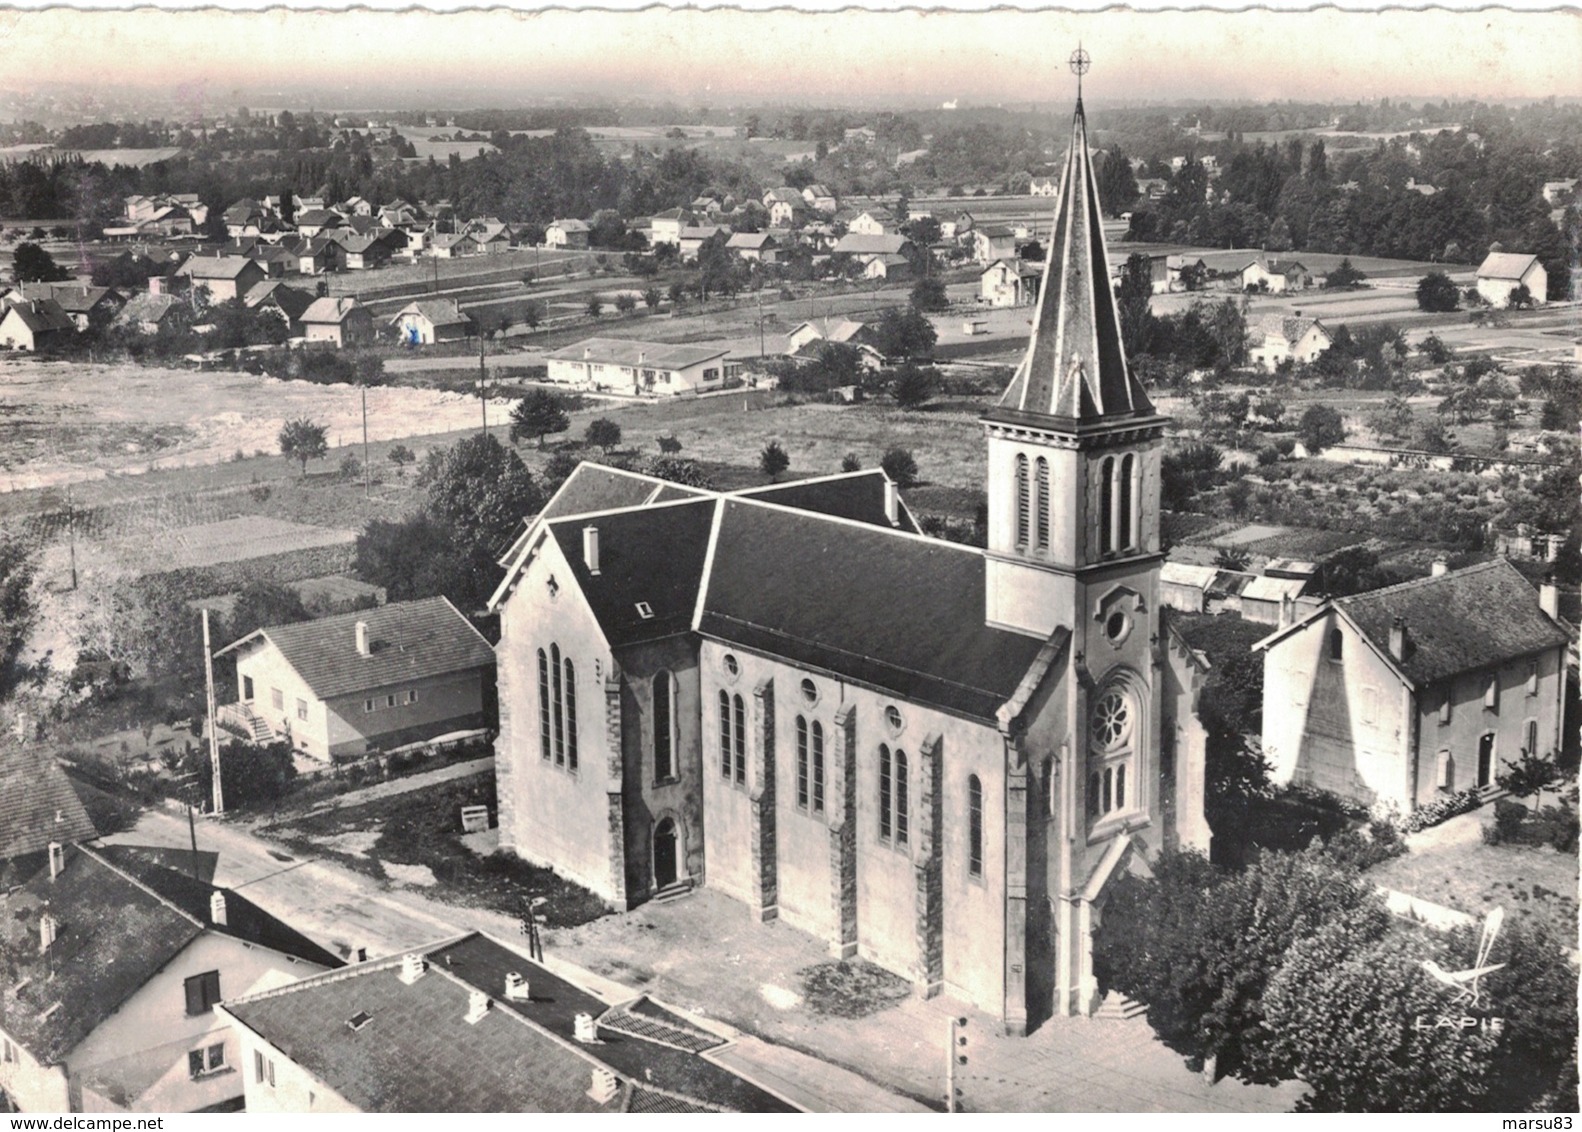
[{"x": 416, "y": 838}]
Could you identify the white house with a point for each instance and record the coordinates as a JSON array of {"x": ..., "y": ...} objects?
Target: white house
[
  {"x": 1010, "y": 283},
  {"x": 637, "y": 367},
  {"x": 566, "y": 234},
  {"x": 758, "y": 246},
  {"x": 1275, "y": 276},
  {"x": 426, "y": 321},
  {"x": 1503, "y": 272},
  {"x": 665, "y": 227},
  {"x": 992, "y": 242},
  {"x": 1274, "y": 338}
]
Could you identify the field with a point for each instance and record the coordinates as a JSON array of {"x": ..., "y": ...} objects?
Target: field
[{"x": 228, "y": 540}]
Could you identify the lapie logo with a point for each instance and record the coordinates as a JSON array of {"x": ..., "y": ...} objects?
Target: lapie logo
[{"x": 1468, "y": 985}]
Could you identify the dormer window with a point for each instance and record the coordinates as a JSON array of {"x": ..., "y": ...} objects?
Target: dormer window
[
  {"x": 645, "y": 611},
  {"x": 1491, "y": 694}
]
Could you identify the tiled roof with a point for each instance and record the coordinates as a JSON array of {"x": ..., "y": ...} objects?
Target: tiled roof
[
  {"x": 858, "y": 496},
  {"x": 750, "y": 240},
  {"x": 910, "y": 619},
  {"x": 216, "y": 266},
  {"x": 859, "y": 243},
  {"x": 1496, "y": 618},
  {"x": 40, "y": 315},
  {"x": 1505, "y": 265},
  {"x": 409, "y": 641},
  {"x": 330, "y": 310},
  {"x": 415, "y": 1052},
  {"x": 1288, "y": 327},
  {"x": 441, "y": 312},
  {"x": 37, "y": 803},
  {"x": 146, "y": 308},
  {"x": 75, "y": 298},
  {"x": 631, "y": 352}
]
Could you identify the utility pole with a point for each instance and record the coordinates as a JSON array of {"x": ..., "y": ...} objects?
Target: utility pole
[
  {"x": 364, "y": 384},
  {"x": 760, "y": 325},
  {"x": 214, "y": 737},
  {"x": 71, "y": 530},
  {"x": 483, "y": 379},
  {"x": 951, "y": 1058}
]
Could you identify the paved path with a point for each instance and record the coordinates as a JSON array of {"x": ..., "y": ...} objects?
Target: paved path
[{"x": 403, "y": 785}]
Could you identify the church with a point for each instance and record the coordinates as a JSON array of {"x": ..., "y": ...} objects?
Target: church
[{"x": 929, "y": 755}]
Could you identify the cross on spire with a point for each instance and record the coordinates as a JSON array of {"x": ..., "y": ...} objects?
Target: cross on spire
[{"x": 1080, "y": 63}]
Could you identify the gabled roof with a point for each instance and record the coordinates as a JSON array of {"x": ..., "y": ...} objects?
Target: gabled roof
[
  {"x": 216, "y": 266},
  {"x": 147, "y": 308},
  {"x": 1022, "y": 268},
  {"x": 860, "y": 243},
  {"x": 409, "y": 641},
  {"x": 753, "y": 241},
  {"x": 319, "y": 218},
  {"x": 858, "y": 496},
  {"x": 1075, "y": 367},
  {"x": 37, "y": 803},
  {"x": 74, "y": 298},
  {"x": 40, "y": 315},
  {"x": 632, "y": 352},
  {"x": 415, "y": 1051},
  {"x": 1506, "y": 265},
  {"x": 1288, "y": 327},
  {"x": 330, "y": 310},
  {"x": 440, "y": 312},
  {"x": 1497, "y": 618},
  {"x": 290, "y": 301},
  {"x": 570, "y": 225}
]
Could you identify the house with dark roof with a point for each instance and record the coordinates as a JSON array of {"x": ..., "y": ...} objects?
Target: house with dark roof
[
  {"x": 933, "y": 756},
  {"x": 423, "y": 322},
  {"x": 288, "y": 303},
  {"x": 148, "y": 312},
  {"x": 407, "y": 672},
  {"x": 1500, "y": 273},
  {"x": 567, "y": 234},
  {"x": 1276, "y": 338},
  {"x": 37, "y": 806},
  {"x": 472, "y": 1024},
  {"x": 1275, "y": 276},
  {"x": 1010, "y": 282},
  {"x": 993, "y": 242},
  {"x": 35, "y": 325},
  {"x": 86, "y": 305},
  {"x": 114, "y": 964},
  {"x": 632, "y": 366},
  {"x": 760, "y": 246},
  {"x": 1401, "y": 695},
  {"x": 226, "y": 276}
]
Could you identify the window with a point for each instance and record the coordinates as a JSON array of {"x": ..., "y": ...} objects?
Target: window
[
  {"x": 557, "y": 704},
  {"x": 302, "y": 708},
  {"x": 1110, "y": 745},
  {"x": 1041, "y": 502},
  {"x": 411, "y": 695},
  {"x": 368, "y": 706},
  {"x": 885, "y": 769},
  {"x": 1123, "y": 503},
  {"x": 740, "y": 739},
  {"x": 1532, "y": 678},
  {"x": 1444, "y": 706},
  {"x": 209, "y": 1060},
  {"x": 801, "y": 763},
  {"x": 543, "y": 704},
  {"x": 1532, "y": 736},
  {"x": 1047, "y": 780},
  {"x": 902, "y": 809},
  {"x": 8, "y": 1053},
  {"x": 571, "y": 715},
  {"x": 664, "y": 726},
  {"x": 247, "y": 688},
  {"x": 203, "y": 991},
  {"x": 809, "y": 692},
  {"x": 1444, "y": 771},
  {"x": 893, "y": 720},
  {"x": 263, "y": 1069},
  {"x": 1337, "y": 645},
  {"x": 1491, "y": 694},
  {"x": 818, "y": 767},
  {"x": 725, "y": 734},
  {"x": 733, "y": 667},
  {"x": 1023, "y": 502},
  {"x": 1107, "y": 505},
  {"x": 390, "y": 700},
  {"x": 974, "y": 826},
  {"x": 277, "y": 698}
]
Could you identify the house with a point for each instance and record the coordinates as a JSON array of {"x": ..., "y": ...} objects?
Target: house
[
  {"x": 887, "y": 267},
  {"x": 1185, "y": 586},
  {"x": 692, "y": 239},
  {"x": 472, "y": 1024},
  {"x": 276, "y": 260},
  {"x": 38, "y": 805},
  {"x": 1422, "y": 188},
  {"x": 820, "y": 199},
  {"x": 147, "y": 313},
  {"x": 287, "y": 302},
  {"x": 1275, "y": 338},
  {"x": 845, "y": 331},
  {"x": 345, "y": 322},
  {"x": 426, "y": 321},
  {"x": 1043, "y": 187},
  {"x": 1275, "y": 277},
  {"x": 1401, "y": 695},
  {"x": 227, "y": 277},
  {"x": 492, "y": 236},
  {"x": 114, "y": 965},
  {"x": 631, "y": 366},
  {"x": 665, "y": 227},
  {"x": 992, "y": 242},
  {"x": 789, "y": 695},
  {"x": 1185, "y": 271},
  {"x": 1502, "y": 272},
  {"x": 785, "y": 206},
  {"x": 453, "y": 245},
  {"x": 865, "y": 247},
  {"x": 378, "y": 678},
  {"x": 86, "y": 305},
  {"x": 364, "y": 252},
  {"x": 875, "y": 222},
  {"x": 35, "y": 325},
  {"x": 245, "y": 218},
  {"x": 759, "y": 246},
  {"x": 318, "y": 221},
  {"x": 566, "y": 234},
  {"x": 1267, "y": 597},
  {"x": 1558, "y": 192}
]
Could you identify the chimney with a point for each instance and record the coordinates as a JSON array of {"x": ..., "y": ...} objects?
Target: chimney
[
  {"x": 590, "y": 548},
  {"x": 1287, "y": 610},
  {"x": 892, "y": 502},
  {"x": 605, "y": 1085},
  {"x": 1440, "y": 567},
  {"x": 412, "y": 967},
  {"x": 587, "y": 353},
  {"x": 1549, "y": 596},
  {"x": 362, "y": 639},
  {"x": 57, "y": 859},
  {"x": 516, "y": 988},
  {"x": 1398, "y": 638},
  {"x": 584, "y": 1030},
  {"x": 217, "y": 912},
  {"x": 478, "y": 1004},
  {"x": 1297, "y": 312},
  {"x": 48, "y": 928}
]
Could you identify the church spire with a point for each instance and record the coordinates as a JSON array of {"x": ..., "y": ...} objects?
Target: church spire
[{"x": 1075, "y": 367}]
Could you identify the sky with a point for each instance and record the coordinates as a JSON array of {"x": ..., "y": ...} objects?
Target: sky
[{"x": 212, "y": 60}]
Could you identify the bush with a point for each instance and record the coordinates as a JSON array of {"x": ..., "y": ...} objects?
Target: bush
[
  {"x": 850, "y": 463},
  {"x": 900, "y": 466},
  {"x": 1442, "y": 809},
  {"x": 773, "y": 459}
]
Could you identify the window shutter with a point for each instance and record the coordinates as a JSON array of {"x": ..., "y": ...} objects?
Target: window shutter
[{"x": 194, "y": 987}]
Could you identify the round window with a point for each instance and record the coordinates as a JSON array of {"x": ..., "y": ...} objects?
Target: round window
[
  {"x": 893, "y": 720},
  {"x": 809, "y": 692},
  {"x": 1116, "y": 626},
  {"x": 1112, "y": 720},
  {"x": 733, "y": 667}
]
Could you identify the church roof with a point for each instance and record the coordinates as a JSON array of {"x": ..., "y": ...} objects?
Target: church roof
[
  {"x": 909, "y": 618},
  {"x": 858, "y": 497},
  {"x": 1075, "y": 367}
]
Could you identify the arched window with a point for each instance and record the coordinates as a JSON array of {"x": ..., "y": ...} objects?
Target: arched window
[
  {"x": 1123, "y": 503},
  {"x": 543, "y": 704},
  {"x": 818, "y": 767},
  {"x": 801, "y": 763},
  {"x": 571, "y": 715},
  {"x": 664, "y": 726},
  {"x": 903, "y": 816},
  {"x": 1041, "y": 502},
  {"x": 1023, "y": 502},
  {"x": 740, "y": 739},
  {"x": 1107, "y": 505},
  {"x": 974, "y": 826},
  {"x": 885, "y": 827},
  {"x": 557, "y": 693},
  {"x": 1111, "y": 748},
  {"x": 1337, "y": 644},
  {"x": 725, "y": 734}
]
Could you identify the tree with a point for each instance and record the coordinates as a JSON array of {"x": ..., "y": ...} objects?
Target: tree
[
  {"x": 1343, "y": 276},
  {"x": 904, "y": 334},
  {"x": 914, "y": 385},
  {"x": 899, "y": 464},
  {"x": 533, "y": 313},
  {"x": 626, "y": 302},
  {"x": 603, "y": 433},
  {"x": 401, "y": 456},
  {"x": 1434, "y": 349},
  {"x": 1393, "y": 419},
  {"x": 32, "y": 264},
  {"x": 773, "y": 460},
  {"x": 1528, "y": 775},
  {"x": 1433, "y": 436},
  {"x": 1321, "y": 427},
  {"x": 302, "y": 440},
  {"x": 539, "y": 413},
  {"x": 1117, "y": 183},
  {"x": 370, "y": 370},
  {"x": 1521, "y": 298},
  {"x": 1132, "y": 298},
  {"x": 850, "y": 463},
  {"x": 652, "y": 298},
  {"x": 677, "y": 469},
  {"x": 928, "y": 294},
  {"x": 262, "y": 604},
  {"x": 595, "y": 307},
  {"x": 1436, "y": 292},
  {"x": 17, "y": 610}
]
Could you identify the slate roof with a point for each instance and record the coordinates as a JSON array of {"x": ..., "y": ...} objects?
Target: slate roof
[
  {"x": 1288, "y": 327},
  {"x": 909, "y": 619},
  {"x": 409, "y": 641},
  {"x": 1505, "y": 265},
  {"x": 42, "y": 315},
  {"x": 652, "y": 555},
  {"x": 290, "y": 300},
  {"x": 752, "y": 241},
  {"x": 417, "y": 1053},
  {"x": 37, "y": 804},
  {"x": 330, "y": 310},
  {"x": 594, "y": 487},
  {"x": 1496, "y": 618},
  {"x": 216, "y": 266},
  {"x": 858, "y": 496},
  {"x": 73, "y": 298},
  {"x": 147, "y": 308},
  {"x": 440, "y": 312},
  {"x": 631, "y": 352},
  {"x": 570, "y": 225},
  {"x": 858, "y": 243},
  {"x": 319, "y": 218}
]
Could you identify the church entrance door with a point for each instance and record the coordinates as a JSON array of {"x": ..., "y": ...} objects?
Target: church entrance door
[{"x": 665, "y": 854}]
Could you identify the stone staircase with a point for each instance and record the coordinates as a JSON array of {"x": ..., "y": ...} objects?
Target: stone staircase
[
  {"x": 1116, "y": 1006},
  {"x": 1492, "y": 793},
  {"x": 242, "y": 720}
]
